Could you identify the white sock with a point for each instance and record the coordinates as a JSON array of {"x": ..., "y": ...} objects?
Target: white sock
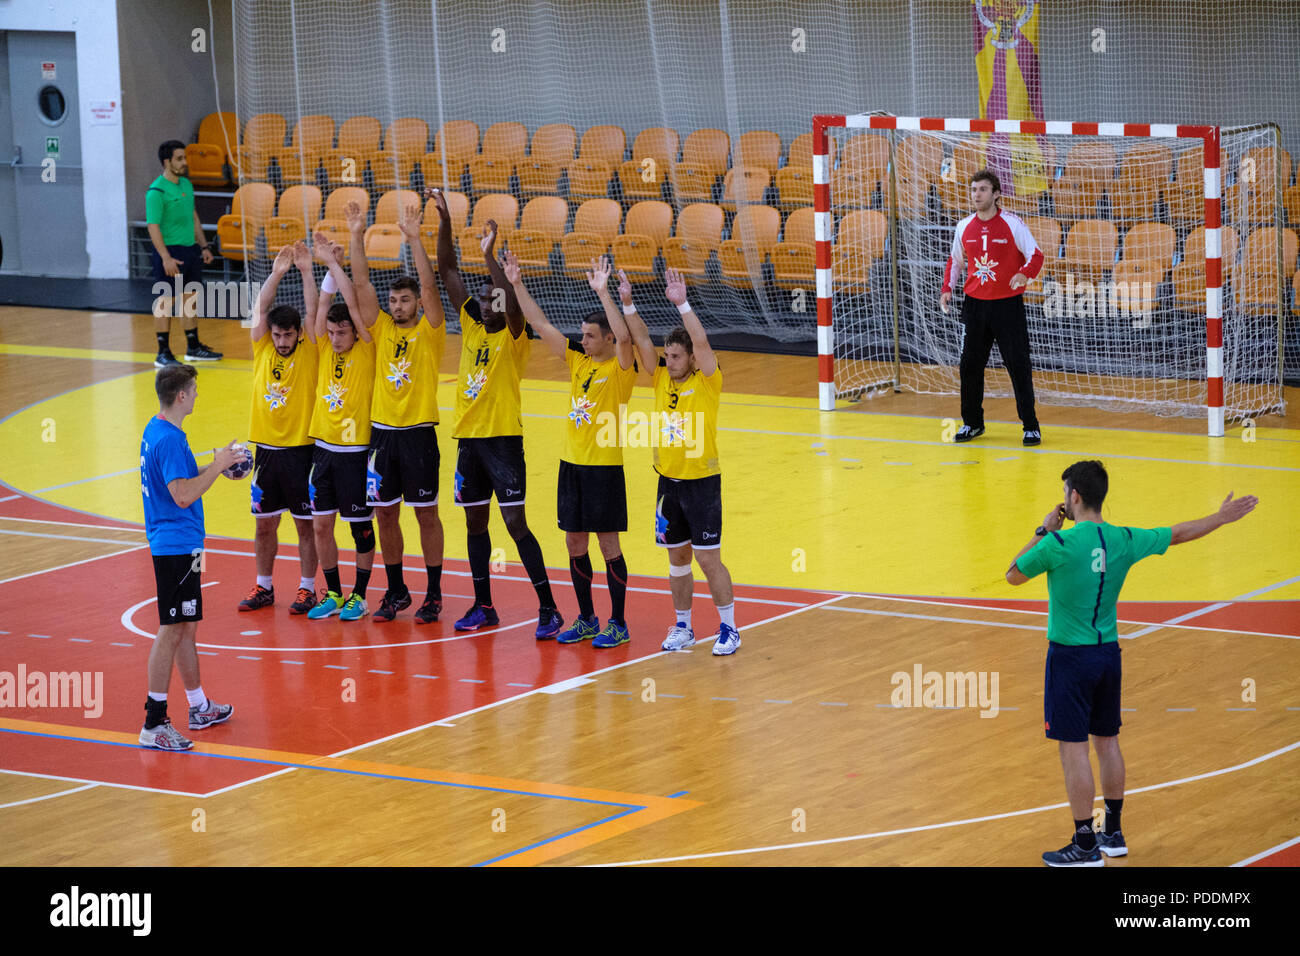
[
  {"x": 197, "y": 698},
  {"x": 728, "y": 614},
  {"x": 264, "y": 581},
  {"x": 684, "y": 618},
  {"x": 307, "y": 584},
  {"x": 162, "y": 698}
]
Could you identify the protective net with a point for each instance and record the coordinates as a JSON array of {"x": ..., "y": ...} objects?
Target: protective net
[{"x": 1117, "y": 314}]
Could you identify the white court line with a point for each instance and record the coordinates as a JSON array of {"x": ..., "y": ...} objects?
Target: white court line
[
  {"x": 446, "y": 721},
  {"x": 953, "y": 823},
  {"x": 63, "y": 537},
  {"x": 82, "y": 481},
  {"x": 73, "y": 564},
  {"x": 934, "y": 617},
  {"x": 1270, "y": 851},
  {"x": 72, "y": 524},
  {"x": 9, "y": 498},
  {"x": 48, "y": 796},
  {"x": 101, "y": 783},
  {"x": 1211, "y": 607}
]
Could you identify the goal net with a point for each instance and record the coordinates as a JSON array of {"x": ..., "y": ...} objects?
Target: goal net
[{"x": 1161, "y": 288}]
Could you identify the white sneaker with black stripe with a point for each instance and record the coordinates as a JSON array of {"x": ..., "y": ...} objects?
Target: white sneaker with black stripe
[
  {"x": 679, "y": 637},
  {"x": 164, "y": 737},
  {"x": 214, "y": 714}
]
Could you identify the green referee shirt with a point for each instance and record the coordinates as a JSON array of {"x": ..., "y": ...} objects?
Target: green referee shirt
[
  {"x": 1086, "y": 566},
  {"x": 170, "y": 206}
]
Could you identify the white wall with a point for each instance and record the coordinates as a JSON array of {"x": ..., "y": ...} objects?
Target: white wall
[{"x": 98, "y": 78}]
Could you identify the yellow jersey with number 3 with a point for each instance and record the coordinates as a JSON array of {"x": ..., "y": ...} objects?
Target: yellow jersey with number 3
[
  {"x": 407, "y": 361},
  {"x": 487, "y": 388},
  {"x": 283, "y": 393},
  {"x": 685, "y": 424},
  {"x": 597, "y": 391},
  {"x": 345, "y": 384}
]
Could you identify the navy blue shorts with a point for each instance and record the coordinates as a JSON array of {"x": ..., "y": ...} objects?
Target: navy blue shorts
[
  {"x": 191, "y": 260},
  {"x": 1081, "y": 691}
]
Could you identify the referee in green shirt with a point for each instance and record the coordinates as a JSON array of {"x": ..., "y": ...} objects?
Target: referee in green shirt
[
  {"x": 1086, "y": 566},
  {"x": 179, "y": 248}
]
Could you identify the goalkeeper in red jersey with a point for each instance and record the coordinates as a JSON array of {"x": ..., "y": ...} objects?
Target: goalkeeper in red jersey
[{"x": 1002, "y": 257}]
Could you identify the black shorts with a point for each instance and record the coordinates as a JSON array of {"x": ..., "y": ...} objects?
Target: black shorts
[
  {"x": 338, "y": 483},
  {"x": 280, "y": 481},
  {"x": 1081, "y": 691},
  {"x": 487, "y": 466},
  {"x": 402, "y": 466},
  {"x": 591, "y": 498},
  {"x": 180, "y": 599},
  {"x": 689, "y": 511},
  {"x": 190, "y": 258}
]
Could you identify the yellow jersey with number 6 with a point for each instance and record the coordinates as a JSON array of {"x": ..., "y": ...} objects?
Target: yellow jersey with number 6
[{"x": 282, "y": 393}]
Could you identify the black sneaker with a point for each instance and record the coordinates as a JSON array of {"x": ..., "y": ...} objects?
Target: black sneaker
[
  {"x": 202, "y": 354},
  {"x": 164, "y": 359},
  {"x": 429, "y": 611},
  {"x": 1112, "y": 844},
  {"x": 1074, "y": 855},
  {"x": 1033, "y": 437},
  {"x": 390, "y": 605},
  {"x": 966, "y": 433}
]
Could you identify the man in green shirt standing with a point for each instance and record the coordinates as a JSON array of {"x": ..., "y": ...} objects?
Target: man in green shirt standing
[
  {"x": 178, "y": 247},
  {"x": 1086, "y": 566}
]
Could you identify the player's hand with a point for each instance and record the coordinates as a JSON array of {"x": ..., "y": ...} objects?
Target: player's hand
[
  {"x": 675, "y": 289},
  {"x": 207, "y": 257},
  {"x": 283, "y": 260},
  {"x": 945, "y": 302},
  {"x": 511, "y": 268},
  {"x": 439, "y": 200},
  {"x": 1234, "y": 509},
  {"x": 408, "y": 221},
  {"x": 323, "y": 248},
  {"x": 1018, "y": 281},
  {"x": 171, "y": 266},
  {"x": 355, "y": 217},
  {"x": 301, "y": 256},
  {"x": 598, "y": 276},
  {"x": 624, "y": 288},
  {"x": 1055, "y": 518},
  {"x": 223, "y": 458},
  {"x": 489, "y": 237}
]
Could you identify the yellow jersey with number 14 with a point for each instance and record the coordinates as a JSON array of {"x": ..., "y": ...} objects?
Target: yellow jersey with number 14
[
  {"x": 345, "y": 383},
  {"x": 487, "y": 388},
  {"x": 686, "y": 424},
  {"x": 407, "y": 361},
  {"x": 283, "y": 395}
]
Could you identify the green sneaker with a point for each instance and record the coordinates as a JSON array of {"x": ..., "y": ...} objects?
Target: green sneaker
[
  {"x": 354, "y": 608},
  {"x": 582, "y": 629},
  {"x": 328, "y": 605},
  {"x": 614, "y": 634}
]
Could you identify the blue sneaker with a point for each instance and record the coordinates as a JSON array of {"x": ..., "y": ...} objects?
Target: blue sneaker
[
  {"x": 614, "y": 634},
  {"x": 549, "y": 623},
  {"x": 478, "y": 616},
  {"x": 582, "y": 629},
  {"x": 1112, "y": 844},
  {"x": 354, "y": 608},
  {"x": 728, "y": 641},
  {"x": 328, "y": 605}
]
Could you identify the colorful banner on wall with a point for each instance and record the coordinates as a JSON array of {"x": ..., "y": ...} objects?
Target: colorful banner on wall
[{"x": 1010, "y": 84}]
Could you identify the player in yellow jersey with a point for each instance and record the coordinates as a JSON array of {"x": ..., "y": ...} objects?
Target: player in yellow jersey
[
  {"x": 340, "y": 425},
  {"x": 490, "y": 426},
  {"x": 403, "y": 460},
  {"x": 592, "y": 493},
  {"x": 284, "y": 383},
  {"x": 688, "y": 510}
]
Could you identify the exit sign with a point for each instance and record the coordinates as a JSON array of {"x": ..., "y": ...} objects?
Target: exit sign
[{"x": 51, "y": 146}]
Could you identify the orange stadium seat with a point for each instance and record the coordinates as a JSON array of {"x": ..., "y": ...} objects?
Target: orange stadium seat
[
  {"x": 588, "y": 179},
  {"x": 491, "y": 173},
  {"x": 699, "y": 233},
  {"x": 540, "y": 227},
  {"x": 1291, "y": 205},
  {"x": 859, "y": 242},
  {"x": 1256, "y": 282},
  {"x": 1047, "y": 234},
  {"x": 603, "y": 144},
  {"x": 457, "y": 211},
  {"x": 1076, "y": 193},
  {"x": 654, "y": 153},
  {"x": 392, "y": 170},
  {"x": 549, "y": 156},
  {"x": 1189, "y": 274},
  {"x": 1096, "y": 159},
  {"x": 299, "y": 161},
  {"x": 744, "y": 186},
  {"x": 251, "y": 208},
  {"x": 208, "y": 155},
  {"x": 391, "y": 203},
  {"x": 794, "y": 258},
  {"x": 759, "y": 149},
  {"x": 1186, "y": 194},
  {"x": 1090, "y": 248},
  {"x": 754, "y": 232},
  {"x": 298, "y": 211},
  {"x": 383, "y": 245},
  {"x": 707, "y": 149},
  {"x": 500, "y": 207},
  {"x": 1143, "y": 172},
  {"x": 648, "y": 226},
  {"x": 263, "y": 138},
  {"x": 794, "y": 186},
  {"x": 595, "y": 225},
  {"x": 346, "y": 163},
  {"x": 801, "y": 152},
  {"x": 967, "y": 159},
  {"x": 917, "y": 164},
  {"x": 334, "y": 223},
  {"x": 433, "y": 172},
  {"x": 1295, "y": 293},
  {"x": 1154, "y": 241},
  {"x": 457, "y": 142},
  {"x": 506, "y": 139}
]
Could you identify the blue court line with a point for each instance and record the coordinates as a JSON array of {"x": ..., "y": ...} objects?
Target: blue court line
[
  {"x": 560, "y": 836},
  {"x": 679, "y": 793}
]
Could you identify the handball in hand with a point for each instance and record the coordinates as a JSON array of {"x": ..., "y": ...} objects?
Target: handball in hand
[{"x": 243, "y": 462}]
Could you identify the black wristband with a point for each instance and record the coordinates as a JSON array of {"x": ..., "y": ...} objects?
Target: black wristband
[{"x": 1040, "y": 532}]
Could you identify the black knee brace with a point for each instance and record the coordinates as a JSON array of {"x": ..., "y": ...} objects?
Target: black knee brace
[{"x": 363, "y": 533}]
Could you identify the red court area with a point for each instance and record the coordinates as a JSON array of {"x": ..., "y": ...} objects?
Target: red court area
[{"x": 311, "y": 687}]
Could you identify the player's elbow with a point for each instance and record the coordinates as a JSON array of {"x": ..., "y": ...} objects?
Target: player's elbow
[{"x": 1014, "y": 577}]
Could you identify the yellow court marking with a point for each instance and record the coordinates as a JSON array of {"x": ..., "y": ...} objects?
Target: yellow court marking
[{"x": 653, "y": 810}]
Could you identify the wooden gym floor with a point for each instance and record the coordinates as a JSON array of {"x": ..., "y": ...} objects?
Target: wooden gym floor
[{"x": 862, "y": 546}]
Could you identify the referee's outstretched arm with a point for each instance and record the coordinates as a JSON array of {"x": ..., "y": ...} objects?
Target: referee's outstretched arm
[{"x": 1232, "y": 509}]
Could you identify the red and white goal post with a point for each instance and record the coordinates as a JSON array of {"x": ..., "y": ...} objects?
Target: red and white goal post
[{"x": 1095, "y": 361}]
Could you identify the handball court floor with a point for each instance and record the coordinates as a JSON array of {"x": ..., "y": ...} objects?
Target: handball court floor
[{"x": 862, "y": 545}]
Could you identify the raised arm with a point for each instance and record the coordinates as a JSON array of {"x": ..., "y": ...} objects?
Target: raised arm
[
  {"x": 553, "y": 337},
  {"x": 408, "y": 220},
  {"x": 514, "y": 317},
  {"x": 284, "y": 261},
  {"x": 448, "y": 268},
  {"x": 598, "y": 279},
  {"x": 367, "y": 298},
  {"x": 1232, "y": 509},
  {"x": 705, "y": 360},
  {"x": 645, "y": 347},
  {"x": 302, "y": 259},
  {"x": 329, "y": 254}
]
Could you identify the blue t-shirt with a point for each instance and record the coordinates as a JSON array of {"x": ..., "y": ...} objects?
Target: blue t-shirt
[{"x": 165, "y": 456}]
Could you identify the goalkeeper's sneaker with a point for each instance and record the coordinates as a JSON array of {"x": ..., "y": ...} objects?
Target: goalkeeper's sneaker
[
  {"x": 1033, "y": 437},
  {"x": 582, "y": 629},
  {"x": 391, "y": 604},
  {"x": 164, "y": 737},
  {"x": 966, "y": 433},
  {"x": 1074, "y": 855},
  {"x": 679, "y": 637},
  {"x": 549, "y": 623},
  {"x": 215, "y": 714},
  {"x": 258, "y": 597},
  {"x": 306, "y": 601},
  {"x": 354, "y": 608},
  {"x": 328, "y": 605},
  {"x": 1112, "y": 844}
]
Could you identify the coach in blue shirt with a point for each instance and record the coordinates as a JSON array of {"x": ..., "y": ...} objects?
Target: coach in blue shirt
[{"x": 171, "y": 485}]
